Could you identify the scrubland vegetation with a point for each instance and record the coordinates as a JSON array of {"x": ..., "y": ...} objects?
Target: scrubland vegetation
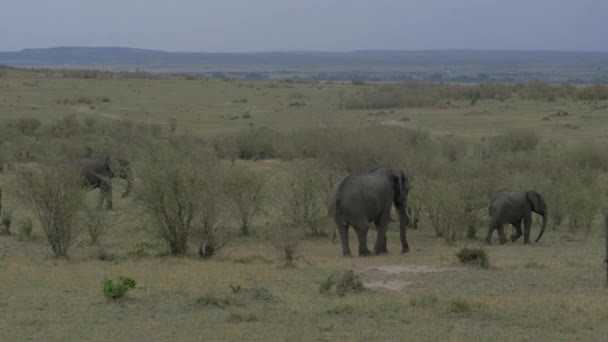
[{"x": 219, "y": 208}]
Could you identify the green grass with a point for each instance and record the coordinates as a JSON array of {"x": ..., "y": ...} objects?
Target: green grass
[{"x": 553, "y": 290}]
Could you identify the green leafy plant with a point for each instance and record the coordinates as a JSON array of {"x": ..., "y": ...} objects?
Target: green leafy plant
[
  {"x": 118, "y": 289},
  {"x": 340, "y": 283},
  {"x": 474, "y": 256}
]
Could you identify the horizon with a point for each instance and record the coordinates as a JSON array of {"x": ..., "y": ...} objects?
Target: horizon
[{"x": 300, "y": 51}]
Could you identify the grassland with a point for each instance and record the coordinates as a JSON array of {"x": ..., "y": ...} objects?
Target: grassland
[{"x": 553, "y": 290}]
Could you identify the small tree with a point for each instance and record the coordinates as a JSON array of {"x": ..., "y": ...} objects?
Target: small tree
[
  {"x": 210, "y": 225},
  {"x": 246, "y": 193},
  {"x": 305, "y": 203},
  {"x": 55, "y": 195},
  {"x": 171, "y": 186},
  {"x": 96, "y": 222}
]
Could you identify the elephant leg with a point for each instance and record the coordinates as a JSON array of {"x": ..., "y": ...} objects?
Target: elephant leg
[
  {"x": 518, "y": 232},
  {"x": 491, "y": 229},
  {"x": 344, "y": 239},
  {"x": 501, "y": 234},
  {"x": 527, "y": 227},
  {"x": 380, "y": 246},
  {"x": 361, "y": 229}
]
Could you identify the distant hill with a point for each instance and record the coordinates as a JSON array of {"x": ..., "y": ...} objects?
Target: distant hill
[{"x": 371, "y": 65}]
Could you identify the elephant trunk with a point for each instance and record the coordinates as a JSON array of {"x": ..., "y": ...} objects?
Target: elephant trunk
[
  {"x": 403, "y": 223},
  {"x": 542, "y": 229}
]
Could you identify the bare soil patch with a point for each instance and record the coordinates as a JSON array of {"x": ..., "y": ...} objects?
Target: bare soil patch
[
  {"x": 391, "y": 285},
  {"x": 397, "y": 269}
]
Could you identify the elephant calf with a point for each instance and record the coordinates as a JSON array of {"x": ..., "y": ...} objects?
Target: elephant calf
[
  {"x": 361, "y": 199},
  {"x": 98, "y": 173},
  {"x": 513, "y": 207}
]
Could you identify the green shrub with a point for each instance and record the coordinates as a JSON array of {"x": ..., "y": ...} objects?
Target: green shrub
[
  {"x": 215, "y": 301},
  {"x": 424, "y": 301},
  {"x": 341, "y": 283},
  {"x": 238, "y": 317},
  {"x": 460, "y": 306},
  {"x": 118, "y": 289},
  {"x": 474, "y": 256}
]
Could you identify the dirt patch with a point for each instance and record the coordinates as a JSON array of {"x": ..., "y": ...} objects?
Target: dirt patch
[
  {"x": 391, "y": 285},
  {"x": 397, "y": 269}
]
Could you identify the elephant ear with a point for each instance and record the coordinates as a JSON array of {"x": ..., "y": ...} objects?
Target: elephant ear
[
  {"x": 113, "y": 165},
  {"x": 536, "y": 200}
]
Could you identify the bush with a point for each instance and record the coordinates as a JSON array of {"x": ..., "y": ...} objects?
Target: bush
[
  {"x": 117, "y": 290},
  {"x": 305, "y": 201},
  {"x": 424, "y": 301},
  {"x": 286, "y": 239},
  {"x": 28, "y": 126},
  {"x": 523, "y": 140},
  {"x": 210, "y": 226},
  {"x": 246, "y": 193},
  {"x": 212, "y": 300},
  {"x": 7, "y": 221},
  {"x": 171, "y": 185},
  {"x": 341, "y": 283},
  {"x": 460, "y": 306},
  {"x": 474, "y": 256},
  {"x": 55, "y": 196},
  {"x": 96, "y": 222},
  {"x": 25, "y": 228},
  {"x": 237, "y": 317}
]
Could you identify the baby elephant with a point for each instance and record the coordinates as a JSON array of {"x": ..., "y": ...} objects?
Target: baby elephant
[{"x": 513, "y": 207}]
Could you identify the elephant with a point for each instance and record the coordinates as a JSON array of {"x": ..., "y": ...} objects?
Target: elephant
[
  {"x": 513, "y": 207},
  {"x": 97, "y": 172},
  {"x": 360, "y": 199}
]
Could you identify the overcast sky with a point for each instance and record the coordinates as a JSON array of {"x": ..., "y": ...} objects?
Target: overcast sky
[{"x": 262, "y": 25}]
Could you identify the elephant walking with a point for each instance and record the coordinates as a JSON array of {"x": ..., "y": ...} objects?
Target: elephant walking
[
  {"x": 359, "y": 200},
  {"x": 98, "y": 172},
  {"x": 513, "y": 207}
]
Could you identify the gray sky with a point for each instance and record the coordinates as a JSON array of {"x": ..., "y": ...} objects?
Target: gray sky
[{"x": 262, "y": 25}]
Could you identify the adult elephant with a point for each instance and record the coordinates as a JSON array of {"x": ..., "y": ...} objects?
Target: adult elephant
[
  {"x": 98, "y": 172},
  {"x": 359, "y": 200},
  {"x": 513, "y": 207}
]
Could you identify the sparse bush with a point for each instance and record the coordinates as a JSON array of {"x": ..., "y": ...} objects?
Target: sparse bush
[
  {"x": 172, "y": 186},
  {"x": 515, "y": 141},
  {"x": 215, "y": 301},
  {"x": 117, "y": 290},
  {"x": 96, "y": 222},
  {"x": 238, "y": 317},
  {"x": 213, "y": 233},
  {"x": 460, "y": 306},
  {"x": 55, "y": 195},
  {"x": 7, "y": 221},
  {"x": 286, "y": 239},
  {"x": 304, "y": 202},
  {"x": 341, "y": 283},
  {"x": 246, "y": 193},
  {"x": 424, "y": 301},
  {"x": 173, "y": 125},
  {"x": 345, "y": 309},
  {"x": 474, "y": 256},
  {"x": 25, "y": 228},
  {"x": 28, "y": 126}
]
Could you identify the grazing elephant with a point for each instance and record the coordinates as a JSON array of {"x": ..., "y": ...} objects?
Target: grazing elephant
[
  {"x": 98, "y": 173},
  {"x": 513, "y": 207},
  {"x": 361, "y": 199}
]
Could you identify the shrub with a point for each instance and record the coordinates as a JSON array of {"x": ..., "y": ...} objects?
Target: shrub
[
  {"x": 55, "y": 196},
  {"x": 474, "y": 256},
  {"x": 305, "y": 201},
  {"x": 460, "y": 306},
  {"x": 523, "y": 140},
  {"x": 340, "y": 283},
  {"x": 210, "y": 226},
  {"x": 96, "y": 222},
  {"x": 171, "y": 185},
  {"x": 237, "y": 317},
  {"x": 424, "y": 301},
  {"x": 117, "y": 290},
  {"x": 28, "y": 126},
  {"x": 25, "y": 228},
  {"x": 345, "y": 309},
  {"x": 7, "y": 221},
  {"x": 213, "y": 300},
  {"x": 286, "y": 239},
  {"x": 246, "y": 193}
]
